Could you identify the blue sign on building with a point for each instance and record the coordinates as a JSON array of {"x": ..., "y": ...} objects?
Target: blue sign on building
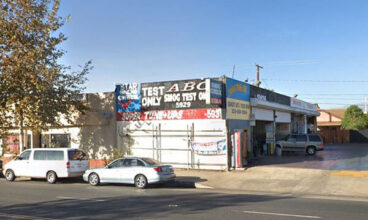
[
  {"x": 238, "y": 90},
  {"x": 237, "y": 100},
  {"x": 128, "y": 97}
]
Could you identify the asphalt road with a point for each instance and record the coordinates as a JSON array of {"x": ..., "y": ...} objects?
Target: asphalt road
[
  {"x": 76, "y": 200},
  {"x": 334, "y": 157}
]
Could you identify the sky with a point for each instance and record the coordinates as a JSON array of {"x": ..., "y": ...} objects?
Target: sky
[{"x": 317, "y": 49}]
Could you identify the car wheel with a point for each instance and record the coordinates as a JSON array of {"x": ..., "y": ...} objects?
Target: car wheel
[
  {"x": 9, "y": 175},
  {"x": 51, "y": 177},
  {"x": 140, "y": 181},
  {"x": 93, "y": 179},
  {"x": 311, "y": 150}
]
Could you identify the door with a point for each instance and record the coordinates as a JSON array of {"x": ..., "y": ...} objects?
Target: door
[
  {"x": 22, "y": 163},
  {"x": 301, "y": 141},
  {"x": 78, "y": 161},
  {"x": 130, "y": 170},
  {"x": 290, "y": 143},
  {"x": 112, "y": 172}
]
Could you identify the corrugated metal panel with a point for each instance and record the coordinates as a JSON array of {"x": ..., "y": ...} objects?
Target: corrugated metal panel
[{"x": 170, "y": 141}]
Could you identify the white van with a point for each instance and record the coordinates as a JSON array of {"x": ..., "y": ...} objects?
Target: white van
[{"x": 49, "y": 163}]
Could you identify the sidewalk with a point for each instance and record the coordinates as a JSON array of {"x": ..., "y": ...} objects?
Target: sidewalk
[{"x": 280, "y": 180}]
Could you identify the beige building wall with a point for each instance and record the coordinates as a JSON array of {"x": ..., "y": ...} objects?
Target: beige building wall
[
  {"x": 95, "y": 131},
  {"x": 327, "y": 117}
]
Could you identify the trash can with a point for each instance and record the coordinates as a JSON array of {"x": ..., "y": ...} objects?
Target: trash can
[{"x": 278, "y": 151}]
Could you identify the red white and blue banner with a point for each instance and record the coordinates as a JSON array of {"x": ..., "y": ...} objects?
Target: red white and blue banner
[{"x": 209, "y": 148}]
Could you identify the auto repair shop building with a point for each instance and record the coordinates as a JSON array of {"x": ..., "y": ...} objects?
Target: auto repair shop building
[{"x": 205, "y": 123}]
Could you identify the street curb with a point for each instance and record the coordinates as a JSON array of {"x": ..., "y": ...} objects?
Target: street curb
[{"x": 201, "y": 186}]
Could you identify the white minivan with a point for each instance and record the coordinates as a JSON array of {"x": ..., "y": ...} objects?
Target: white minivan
[{"x": 49, "y": 163}]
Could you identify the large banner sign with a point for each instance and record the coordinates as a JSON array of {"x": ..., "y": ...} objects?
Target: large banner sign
[
  {"x": 180, "y": 114},
  {"x": 237, "y": 100},
  {"x": 209, "y": 148},
  {"x": 185, "y": 94},
  {"x": 172, "y": 100},
  {"x": 128, "y": 97}
]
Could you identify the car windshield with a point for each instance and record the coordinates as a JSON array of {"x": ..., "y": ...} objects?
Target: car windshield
[{"x": 151, "y": 161}]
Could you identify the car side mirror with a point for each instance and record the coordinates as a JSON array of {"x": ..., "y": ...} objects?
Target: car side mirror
[
  {"x": 19, "y": 158},
  {"x": 108, "y": 166}
]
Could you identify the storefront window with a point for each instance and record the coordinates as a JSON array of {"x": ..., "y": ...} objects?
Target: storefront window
[
  {"x": 60, "y": 140},
  {"x": 55, "y": 140}
]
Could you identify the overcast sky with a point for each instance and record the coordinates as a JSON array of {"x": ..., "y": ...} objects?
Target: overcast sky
[{"x": 317, "y": 49}]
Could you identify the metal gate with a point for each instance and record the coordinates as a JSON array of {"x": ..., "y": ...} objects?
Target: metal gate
[{"x": 194, "y": 144}]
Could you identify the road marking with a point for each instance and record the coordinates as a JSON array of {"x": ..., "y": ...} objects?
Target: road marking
[
  {"x": 13, "y": 216},
  {"x": 281, "y": 214},
  {"x": 350, "y": 173},
  {"x": 83, "y": 199}
]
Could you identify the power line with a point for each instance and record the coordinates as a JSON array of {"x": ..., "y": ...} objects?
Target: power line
[
  {"x": 331, "y": 94},
  {"x": 318, "y": 81},
  {"x": 335, "y": 98},
  {"x": 325, "y": 103}
]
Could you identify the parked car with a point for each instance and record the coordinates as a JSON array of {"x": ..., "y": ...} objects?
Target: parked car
[
  {"x": 309, "y": 143},
  {"x": 49, "y": 163},
  {"x": 132, "y": 170}
]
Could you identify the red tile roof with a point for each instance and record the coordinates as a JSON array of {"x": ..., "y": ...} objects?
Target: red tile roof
[{"x": 337, "y": 112}]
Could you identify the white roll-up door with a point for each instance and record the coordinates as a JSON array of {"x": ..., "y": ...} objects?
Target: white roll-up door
[
  {"x": 262, "y": 114},
  {"x": 283, "y": 117}
]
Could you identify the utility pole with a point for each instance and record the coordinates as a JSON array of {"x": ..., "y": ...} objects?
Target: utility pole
[
  {"x": 258, "y": 82},
  {"x": 233, "y": 71},
  {"x": 365, "y": 105}
]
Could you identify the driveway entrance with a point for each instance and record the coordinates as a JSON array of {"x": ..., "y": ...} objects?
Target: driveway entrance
[{"x": 334, "y": 157}]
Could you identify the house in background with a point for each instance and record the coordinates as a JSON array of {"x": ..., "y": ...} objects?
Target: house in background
[{"x": 329, "y": 126}]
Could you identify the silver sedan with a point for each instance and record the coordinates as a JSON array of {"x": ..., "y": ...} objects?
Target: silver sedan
[{"x": 132, "y": 170}]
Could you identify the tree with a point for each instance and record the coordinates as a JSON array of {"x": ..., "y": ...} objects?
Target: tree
[
  {"x": 354, "y": 119},
  {"x": 35, "y": 89}
]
